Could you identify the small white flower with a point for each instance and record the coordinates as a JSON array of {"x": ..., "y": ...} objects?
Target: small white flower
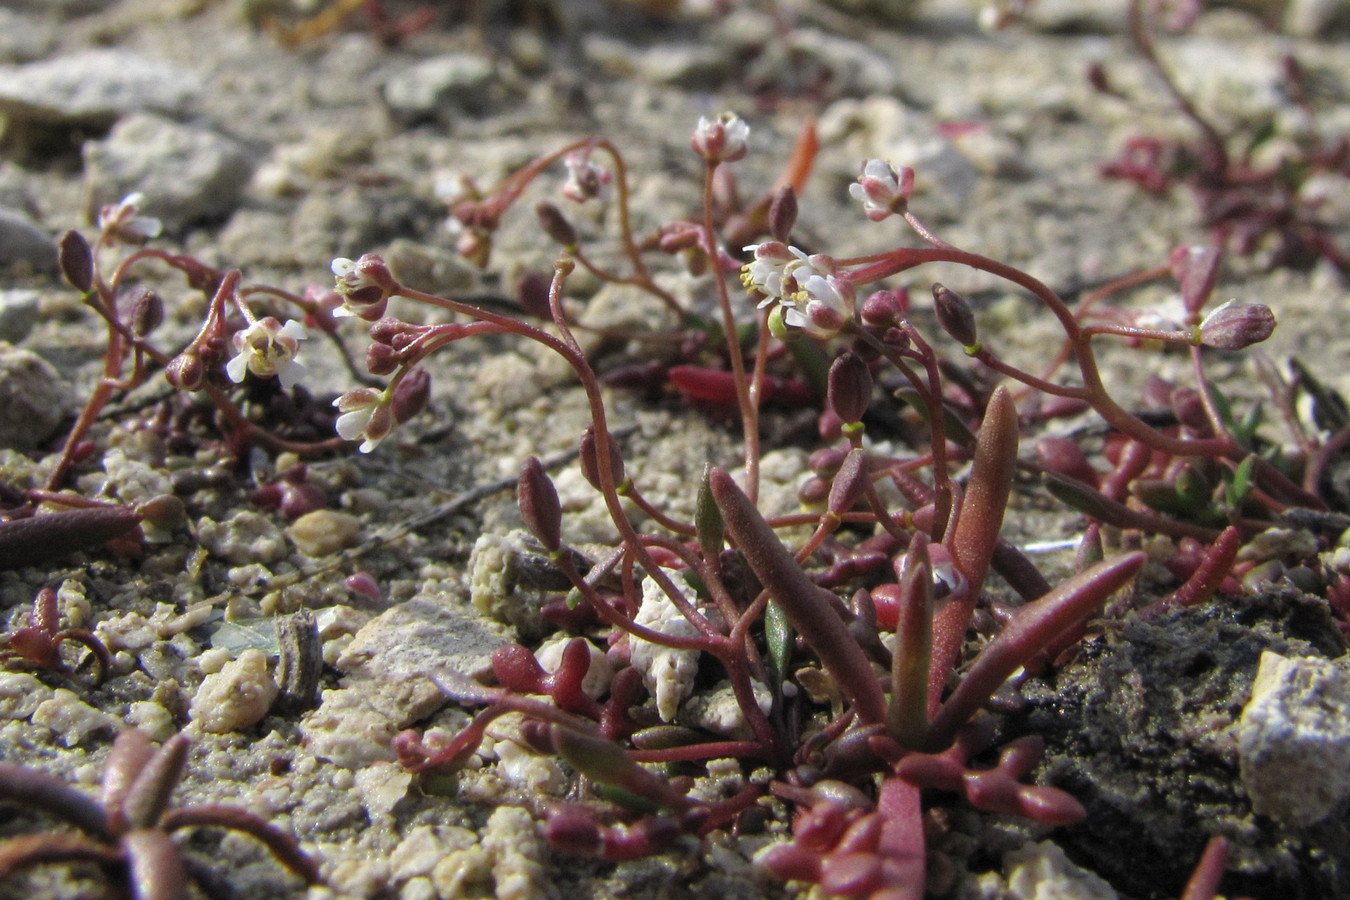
[
  {"x": 268, "y": 348},
  {"x": 829, "y": 305},
  {"x": 883, "y": 189},
  {"x": 366, "y": 416},
  {"x": 365, "y": 285},
  {"x": 585, "y": 179},
  {"x": 120, "y": 218},
  {"x": 779, "y": 271},
  {"x": 722, "y": 139}
]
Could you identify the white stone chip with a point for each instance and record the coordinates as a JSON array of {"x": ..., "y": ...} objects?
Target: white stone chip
[
  {"x": 668, "y": 674},
  {"x": 236, "y": 697},
  {"x": 1294, "y": 739}
]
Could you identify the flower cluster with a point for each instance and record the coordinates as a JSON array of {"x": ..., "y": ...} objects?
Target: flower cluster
[
  {"x": 809, "y": 291},
  {"x": 267, "y": 348}
]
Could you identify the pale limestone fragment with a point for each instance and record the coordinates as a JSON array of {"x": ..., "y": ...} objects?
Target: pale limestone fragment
[
  {"x": 1293, "y": 741},
  {"x": 20, "y": 695},
  {"x": 668, "y": 674},
  {"x": 152, "y": 718},
  {"x": 518, "y": 854},
  {"x": 236, "y": 697},
  {"x": 1042, "y": 872},
  {"x": 381, "y": 786},
  {"x": 71, "y": 718},
  {"x": 348, "y": 730},
  {"x": 424, "y": 846},
  {"x": 247, "y": 537}
]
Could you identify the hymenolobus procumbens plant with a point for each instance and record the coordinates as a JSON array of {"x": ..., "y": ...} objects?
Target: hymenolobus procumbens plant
[
  {"x": 847, "y": 701},
  {"x": 231, "y": 369}
]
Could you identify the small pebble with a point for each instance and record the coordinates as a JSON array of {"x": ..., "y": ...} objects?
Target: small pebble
[
  {"x": 324, "y": 532},
  {"x": 236, "y": 697}
]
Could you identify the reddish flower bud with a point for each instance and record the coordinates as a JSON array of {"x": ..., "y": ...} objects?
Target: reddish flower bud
[
  {"x": 826, "y": 461},
  {"x": 77, "y": 261},
  {"x": 539, "y": 505},
  {"x": 381, "y": 359},
  {"x": 1234, "y": 326},
  {"x": 532, "y": 295},
  {"x": 955, "y": 317},
  {"x": 590, "y": 459},
  {"x": 186, "y": 371},
  {"x": 147, "y": 311},
  {"x": 783, "y": 213},
  {"x": 555, "y": 224},
  {"x": 883, "y": 310},
  {"x": 1196, "y": 270},
  {"x": 411, "y": 395},
  {"x": 849, "y": 388}
]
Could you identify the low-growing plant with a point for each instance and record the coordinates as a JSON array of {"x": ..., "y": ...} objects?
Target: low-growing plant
[
  {"x": 127, "y": 830},
  {"x": 848, "y": 700}
]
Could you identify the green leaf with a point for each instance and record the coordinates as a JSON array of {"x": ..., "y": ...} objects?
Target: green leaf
[
  {"x": 778, "y": 638},
  {"x": 1235, "y": 494}
]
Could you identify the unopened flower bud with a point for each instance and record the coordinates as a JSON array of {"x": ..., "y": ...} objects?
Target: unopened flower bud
[
  {"x": 590, "y": 460},
  {"x": 147, "y": 311},
  {"x": 411, "y": 395},
  {"x": 677, "y": 236},
  {"x": 539, "y": 505},
  {"x": 783, "y": 213},
  {"x": 1196, "y": 270},
  {"x": 826, "y": 461},
  {"x": 532, "y": 295},
  {"x": 555, "y": 224},
  {"x": 1234, "y": 326},
  {"x": 77, "y": 261},
  {"x": 573, "y": 831},
  {"x": 381, "y": 359},
  {"x": 849, "y": 388},
  {"x": 1190, "y": 411},
  {"x": 186, "y": 371},
  {"x": 1098, "y": 80},
  {"x": 955, "y": 317},
  {"x": 883, "y": 310}
]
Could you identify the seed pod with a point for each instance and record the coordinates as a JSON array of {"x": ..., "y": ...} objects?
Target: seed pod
[
  {"x": 849, "y": 387},
  {"x": 708, "y": 522},
  {"x": 954, "y": 315},
  {"x": 77, "y": 261},
  {"x": 590, "y": 459},
  {"x": 556, "y": 225},
  {"x": 849, "y": 483},
  {"x": 783, "y": 213},
  {"x": 147, "y": 311},
  {"x": 539, "y": 505}
]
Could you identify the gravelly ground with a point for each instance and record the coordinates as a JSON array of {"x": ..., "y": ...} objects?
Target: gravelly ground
[{"x": 328, "y": 151}]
